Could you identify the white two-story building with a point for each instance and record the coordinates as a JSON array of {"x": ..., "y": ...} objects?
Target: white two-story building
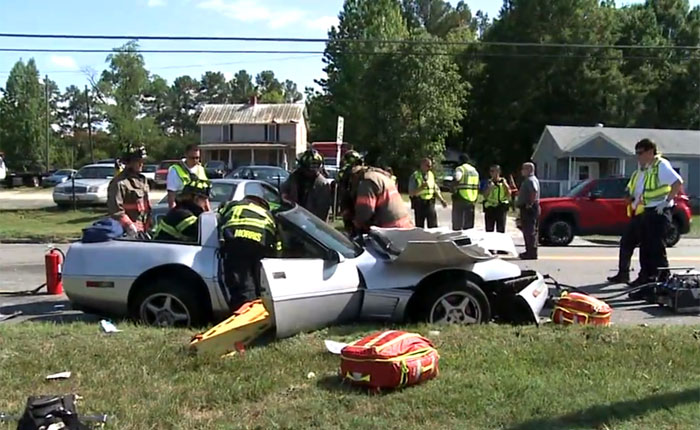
[{"x": 253, "y": 133}]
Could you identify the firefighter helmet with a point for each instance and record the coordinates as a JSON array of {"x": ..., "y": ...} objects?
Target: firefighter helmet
[
  {"x": 310, "y": 158},
  {"x": 134, "y": 152},
  {"x": 258, "y": 201}
]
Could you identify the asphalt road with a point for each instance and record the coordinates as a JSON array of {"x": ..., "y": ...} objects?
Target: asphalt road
[{"x": 583, "y": 264}]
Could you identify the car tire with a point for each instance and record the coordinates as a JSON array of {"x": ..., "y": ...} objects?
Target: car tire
[
  {"x": 673, "y": 234},
  {"x": 169, "y": 303},
  {"x": 559, "y": 232},
  {"x": 458, "y": 301}
]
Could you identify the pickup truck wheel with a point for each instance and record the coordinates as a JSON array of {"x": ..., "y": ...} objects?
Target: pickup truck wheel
[
  {"x": 168, "y": 303},
  {"x": 455, "y": 302},
  {"x": 560, "y": 232},
  {"x": 673, "y": 234}
]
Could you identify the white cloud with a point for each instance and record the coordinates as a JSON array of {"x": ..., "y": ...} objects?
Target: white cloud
[
  {"x": 64, "y": 61},
  {"x": 253, "y": 11},
  {"x": 228, "y": 75},
  {"x": 322, "y": 23},
  {"x": 156, "y": 3}
]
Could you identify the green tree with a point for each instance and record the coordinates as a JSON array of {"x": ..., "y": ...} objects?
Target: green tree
[
  {"x": 22, "y": 118},
  {"x": 184, "y": 105},
  {"x": 214, "y": 89},
  {"x": 437, "y": 17},
  {"x": 291, "y": 93},
  {"x": 241, "y": 87},
  {"x": 269, "y": 89},
  {"x": 156, "y": 102}
]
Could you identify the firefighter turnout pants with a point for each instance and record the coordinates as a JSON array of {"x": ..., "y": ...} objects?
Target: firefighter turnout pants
[{"x": 242, "y": 269}]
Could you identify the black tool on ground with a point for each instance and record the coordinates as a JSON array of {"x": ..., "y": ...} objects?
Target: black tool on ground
[
  {"x": 680, "y": 292},
  {"x": 42, "y": 411}
]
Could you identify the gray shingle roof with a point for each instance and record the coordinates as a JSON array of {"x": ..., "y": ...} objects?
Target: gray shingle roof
[
  {"x": 676, "y": 142},
  {"x": 251, "y": 114}
]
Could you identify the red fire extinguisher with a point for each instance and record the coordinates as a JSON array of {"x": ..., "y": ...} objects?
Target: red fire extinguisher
[{"x": 54, "y": 262}]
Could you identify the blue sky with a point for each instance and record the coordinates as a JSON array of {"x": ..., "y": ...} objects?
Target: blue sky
[{"x": 262, "y": 18}]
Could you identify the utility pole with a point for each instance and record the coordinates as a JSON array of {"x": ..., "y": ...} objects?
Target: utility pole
[
  {"x": 89, "y": 124},
  {"x": 46, "y": 97}
]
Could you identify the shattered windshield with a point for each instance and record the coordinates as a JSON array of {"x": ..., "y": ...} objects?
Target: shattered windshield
[{"x": 322, "y": 232}]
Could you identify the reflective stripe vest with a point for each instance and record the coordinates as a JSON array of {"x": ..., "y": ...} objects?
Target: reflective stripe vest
[
  {"x": 653, "y": 192},
  {"x": 426, "y": 193},
  {"x": 186, "y": 175},
  {"x": 498, "y": 195},
  {"x": 177, "y": 231},
  {"x": 245, "y": 220},
  {"x": 468, "y": 186}
]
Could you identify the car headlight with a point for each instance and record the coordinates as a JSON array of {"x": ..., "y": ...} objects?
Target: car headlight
[{"x": 93, "y": 189}]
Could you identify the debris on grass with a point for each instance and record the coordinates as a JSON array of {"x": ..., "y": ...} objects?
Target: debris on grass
[
  {"x": 108, "y": 327},
  {"x": 60, "y": 375}
]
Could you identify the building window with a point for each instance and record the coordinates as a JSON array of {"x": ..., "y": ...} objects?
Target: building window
[
  {"x": 272, "y": 133},
  {"x": 226, "y": 133}
]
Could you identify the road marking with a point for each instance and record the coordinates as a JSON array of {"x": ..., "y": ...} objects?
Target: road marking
[{"x": 604, "y": 258}]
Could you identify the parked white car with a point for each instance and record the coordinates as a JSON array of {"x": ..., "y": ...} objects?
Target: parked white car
[
  {"x": 321, "y": 278},
  {"x": 91, "y": 184}
]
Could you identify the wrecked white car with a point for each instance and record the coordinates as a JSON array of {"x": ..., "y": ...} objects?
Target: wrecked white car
[{"x": 322, "y": 278}]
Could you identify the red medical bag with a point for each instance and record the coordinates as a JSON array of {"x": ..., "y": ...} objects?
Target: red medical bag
[{"x": 578, "y": 308}]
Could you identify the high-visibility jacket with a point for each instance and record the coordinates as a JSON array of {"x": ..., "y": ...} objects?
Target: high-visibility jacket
[
  {"x": 427, "y": 193},
  {"x": 498, "y": 195},
  {"x": 186, "y": 175},
  {"x": 181, "y": 224},
  {"x": 468, "y": 186},
  {"x": 653, "y": 192},
  {"x": 393, "y": 179},
  {"x": 127, "y": 200},
  {"x": 248, "y": 221}
]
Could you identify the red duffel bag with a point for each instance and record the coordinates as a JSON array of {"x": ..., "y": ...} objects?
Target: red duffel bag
[
  {"x": 579, "y": 308},
  {"x": 389, "y": 359}
]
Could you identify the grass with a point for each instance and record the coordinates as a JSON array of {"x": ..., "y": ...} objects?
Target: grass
[
  {"x": 46, "y": 225},
  {"x": 492, "y": 377}
]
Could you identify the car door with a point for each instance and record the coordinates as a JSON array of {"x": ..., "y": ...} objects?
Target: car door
[
  {"x": 602, "y": 207},
  {"x": 310, "y": 287}
]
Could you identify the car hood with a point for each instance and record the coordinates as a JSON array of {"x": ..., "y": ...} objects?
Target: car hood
[{"x": 86, "y": 183}]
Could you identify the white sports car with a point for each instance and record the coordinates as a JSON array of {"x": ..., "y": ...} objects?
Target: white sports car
[{"x": 322, "y": 277}]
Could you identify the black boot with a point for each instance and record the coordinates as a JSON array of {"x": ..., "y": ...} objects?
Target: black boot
[{"x": 620, "y": 278}]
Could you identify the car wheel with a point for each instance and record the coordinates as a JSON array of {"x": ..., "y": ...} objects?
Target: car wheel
[
  {"x": 560, "y": 232},
  {"x": 455, "y": 302},
  {"x": 168, "y": 303},
  {"x": 673, "y": 234}
]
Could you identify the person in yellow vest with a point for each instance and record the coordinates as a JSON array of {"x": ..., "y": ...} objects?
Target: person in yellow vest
[
  {"x": 180, "y": 174},
  {"x": 653, "y": 188},
  {"x": 496, "y": 200},
  {"x": 423, "y": 189},
  {"x": 466, "y": 191}
]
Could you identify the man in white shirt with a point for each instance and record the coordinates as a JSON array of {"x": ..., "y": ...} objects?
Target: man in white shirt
[
  {"x": 656, "y": 185},
  {"x": 182, "y": 173},
  {"x": 3, "y": 169}
]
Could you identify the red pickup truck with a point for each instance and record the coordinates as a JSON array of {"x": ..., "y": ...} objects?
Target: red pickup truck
[
  {"x": 597, "y": 206},
  {"x": 162, "y": 172}
]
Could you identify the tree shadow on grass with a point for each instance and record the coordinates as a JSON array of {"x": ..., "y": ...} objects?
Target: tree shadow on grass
[{"x": 598, "y": 416}]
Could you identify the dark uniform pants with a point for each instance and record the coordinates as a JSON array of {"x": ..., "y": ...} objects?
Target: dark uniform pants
[
  {"x": 529, "y": 219},
  {"x": 425, "y": 211},
  {"x": 496, "y": 216},
  {"x": 462, "y": 213},
  {"x": 242, "y": 270},
  {"x": 630, "y": 239},
  {"x": 652, "y": 250}
]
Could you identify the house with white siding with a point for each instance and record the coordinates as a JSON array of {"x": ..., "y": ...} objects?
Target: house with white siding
[{"x": 253, "y": 133}]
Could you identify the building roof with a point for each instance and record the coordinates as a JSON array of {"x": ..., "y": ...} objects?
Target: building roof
[
  {"x": 672, "y": 142},
  {"x": 258, "y": 113}
]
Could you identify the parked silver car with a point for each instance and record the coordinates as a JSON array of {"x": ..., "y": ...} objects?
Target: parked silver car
[
  {"x": 322, "y": 277},
  {"x": 91, "y": 184},
  {"x": 58, "y": 177}
]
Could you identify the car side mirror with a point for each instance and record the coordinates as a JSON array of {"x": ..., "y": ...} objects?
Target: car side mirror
[{"x": 595, "y": 195}]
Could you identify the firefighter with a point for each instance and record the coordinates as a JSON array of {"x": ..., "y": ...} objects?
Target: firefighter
[
  {"x": 496, "y": 200},
  {"x": 180, "y": 174},
  {"x": 248, "y": 234},
  {"x": 377, "y": 202},
  {"x": 127, "y": 194},
  {"x": 423, "y": 189},
  {"x": 466, "y": 191},
  {"x": 181, "y": 223},
  {"x": 390, "y": 170},
  {"x": 345, "y": 202},
  {"x": 307, "y": 187}
]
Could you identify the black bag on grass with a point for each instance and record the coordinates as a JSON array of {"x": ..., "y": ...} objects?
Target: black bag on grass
[{"x": 42, "y": 411}]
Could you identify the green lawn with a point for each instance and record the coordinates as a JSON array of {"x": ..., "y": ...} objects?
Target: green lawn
[
  {"x": 492, "y": 377},
  {"x": 46, "y": 225}
]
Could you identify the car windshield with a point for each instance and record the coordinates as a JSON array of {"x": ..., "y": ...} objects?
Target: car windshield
[
  {"x": 264, "y": 174},
  {"x": 576, "y": 190},
  {"x": 62, "y": 173},
  {"x": 95, "y": 173},
  {"x": 221, "y": 192},
  {"x": 322, "y": 232},
  {"x": 149, "y": 168}
]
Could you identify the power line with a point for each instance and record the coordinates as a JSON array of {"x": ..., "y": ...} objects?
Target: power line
[
  {"x": 156, "y": 51},
  {"x": 326, "y": 40}
]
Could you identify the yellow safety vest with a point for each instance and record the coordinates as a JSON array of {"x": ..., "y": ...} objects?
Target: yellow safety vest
[
  {"x": 498, "y": 195},
  {"x": 653, "y": 190},
  {"x": 186, "y": 175},
  {"x": 177, "y": 231},
  {"x": 426, "y": 193},
  {"x": 250, "y": 222},
  {"x": 468, "y": 187}
]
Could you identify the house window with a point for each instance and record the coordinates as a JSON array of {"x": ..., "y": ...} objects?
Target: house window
[
  {"x": 226, "y": 133},
  {"x": 272, "y": 133}
]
